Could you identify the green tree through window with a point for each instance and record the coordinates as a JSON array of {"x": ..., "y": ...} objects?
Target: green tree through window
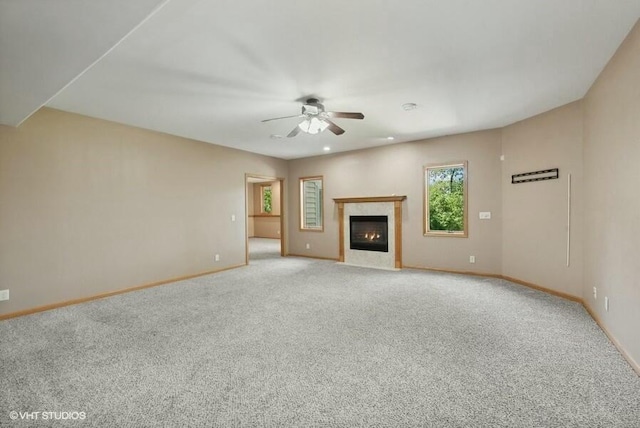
[
  {"x": 445, "y": 198},
  {"x": 266, "y": 199}
]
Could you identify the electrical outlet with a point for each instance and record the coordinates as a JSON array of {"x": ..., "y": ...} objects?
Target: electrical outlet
[
  {"x": 606, "y": 303},
  {"x": 308, "y": 246},
  {"x": 233, "y": 217},
  {"x": 595, "y": 293},
  {"x": 485, "y": 215},
  {"x": 472, "y": 259},
  {"x": 4, "y": 295},
  {"x": 217, "y": 257}
]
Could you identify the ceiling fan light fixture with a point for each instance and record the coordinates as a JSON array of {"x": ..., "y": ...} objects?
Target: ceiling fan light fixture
[
  {"x": 315, "y": 119},
  {"x": 313, "y": 125}
]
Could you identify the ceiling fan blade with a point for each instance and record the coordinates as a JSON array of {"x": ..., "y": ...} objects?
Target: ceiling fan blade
[
  {"x": 294, "y": 132},
  {"x": 334, "y": 128},
  {"x": 345, "y": 115},
  {"x": 284, "y": 117}
]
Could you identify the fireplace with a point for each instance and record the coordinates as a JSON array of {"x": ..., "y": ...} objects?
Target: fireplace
[
  {"x": 369, "y": 232},
  {"x": 370, "y": 209}
]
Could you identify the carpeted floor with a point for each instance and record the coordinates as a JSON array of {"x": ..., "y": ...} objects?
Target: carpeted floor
[
  {"x": 291, "y": 342},
  {"x": 263, "y": 248}
]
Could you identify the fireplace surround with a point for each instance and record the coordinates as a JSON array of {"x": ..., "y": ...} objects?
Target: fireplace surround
[{"x": 372, "y": 207}]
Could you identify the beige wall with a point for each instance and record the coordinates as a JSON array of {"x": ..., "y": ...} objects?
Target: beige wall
[
  {"x": 257, "y": 197},
  {"x": 534, "y": 215},
  {"x": 89, "y": 206},
  {"x": 612, "y": 199},
  {"x": 250, "y": 219},
  {"x": 265, "y": 226},
  {"x": 398, "y": 169}
]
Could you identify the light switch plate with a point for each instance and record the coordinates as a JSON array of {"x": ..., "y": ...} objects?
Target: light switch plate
[{"x": 485, "y": 215}]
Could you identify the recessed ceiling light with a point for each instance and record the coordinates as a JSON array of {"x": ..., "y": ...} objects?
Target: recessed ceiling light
[
  {"x": 326, "y": 148},
  {"x": 275, "y": 136},
  {"x": 409, "y": 106},
  {"x": 390, "y": 138}
]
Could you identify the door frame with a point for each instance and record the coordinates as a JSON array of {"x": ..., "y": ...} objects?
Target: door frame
[{"x": 250, "y": 178}]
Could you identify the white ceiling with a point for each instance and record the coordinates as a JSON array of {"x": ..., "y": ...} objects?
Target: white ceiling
[
  {"x": 212, "y": 70},
  {"x": 44, "y": 45}
]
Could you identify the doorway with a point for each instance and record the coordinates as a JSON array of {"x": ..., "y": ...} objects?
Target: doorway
[{"x": 265, "y": 229}]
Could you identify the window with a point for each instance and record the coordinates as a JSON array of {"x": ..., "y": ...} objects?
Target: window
[
  {"x": 266, "y": 198},
  {"x": 311, "y": 204},
  {"x": 446, "y": 199}
]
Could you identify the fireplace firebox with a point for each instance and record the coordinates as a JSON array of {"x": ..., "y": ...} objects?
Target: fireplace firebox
[{"x": 369, "y": 232}]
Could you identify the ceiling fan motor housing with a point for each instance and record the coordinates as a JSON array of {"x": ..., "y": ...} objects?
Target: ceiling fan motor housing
[{"x": 312, "y": 107}]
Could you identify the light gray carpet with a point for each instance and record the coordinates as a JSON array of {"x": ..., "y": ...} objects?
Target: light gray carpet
[
  {"x": 291, "y": 342},
  {"x": 263, "y": 248}
]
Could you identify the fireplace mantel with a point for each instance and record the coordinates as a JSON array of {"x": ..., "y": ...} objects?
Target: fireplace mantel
[
  {"x": 396, "y": 213},
  {"x": 393, "y": 198}
]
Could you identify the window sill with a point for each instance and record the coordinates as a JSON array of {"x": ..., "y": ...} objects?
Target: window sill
[{"x": 448, "y": 234}]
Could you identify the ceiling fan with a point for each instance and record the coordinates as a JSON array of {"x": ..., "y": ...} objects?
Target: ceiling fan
[{"x": 316, "y": 120}]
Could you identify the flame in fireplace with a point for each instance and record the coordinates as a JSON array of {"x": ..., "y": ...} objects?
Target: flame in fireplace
[{"x": 368, "y": 233}]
